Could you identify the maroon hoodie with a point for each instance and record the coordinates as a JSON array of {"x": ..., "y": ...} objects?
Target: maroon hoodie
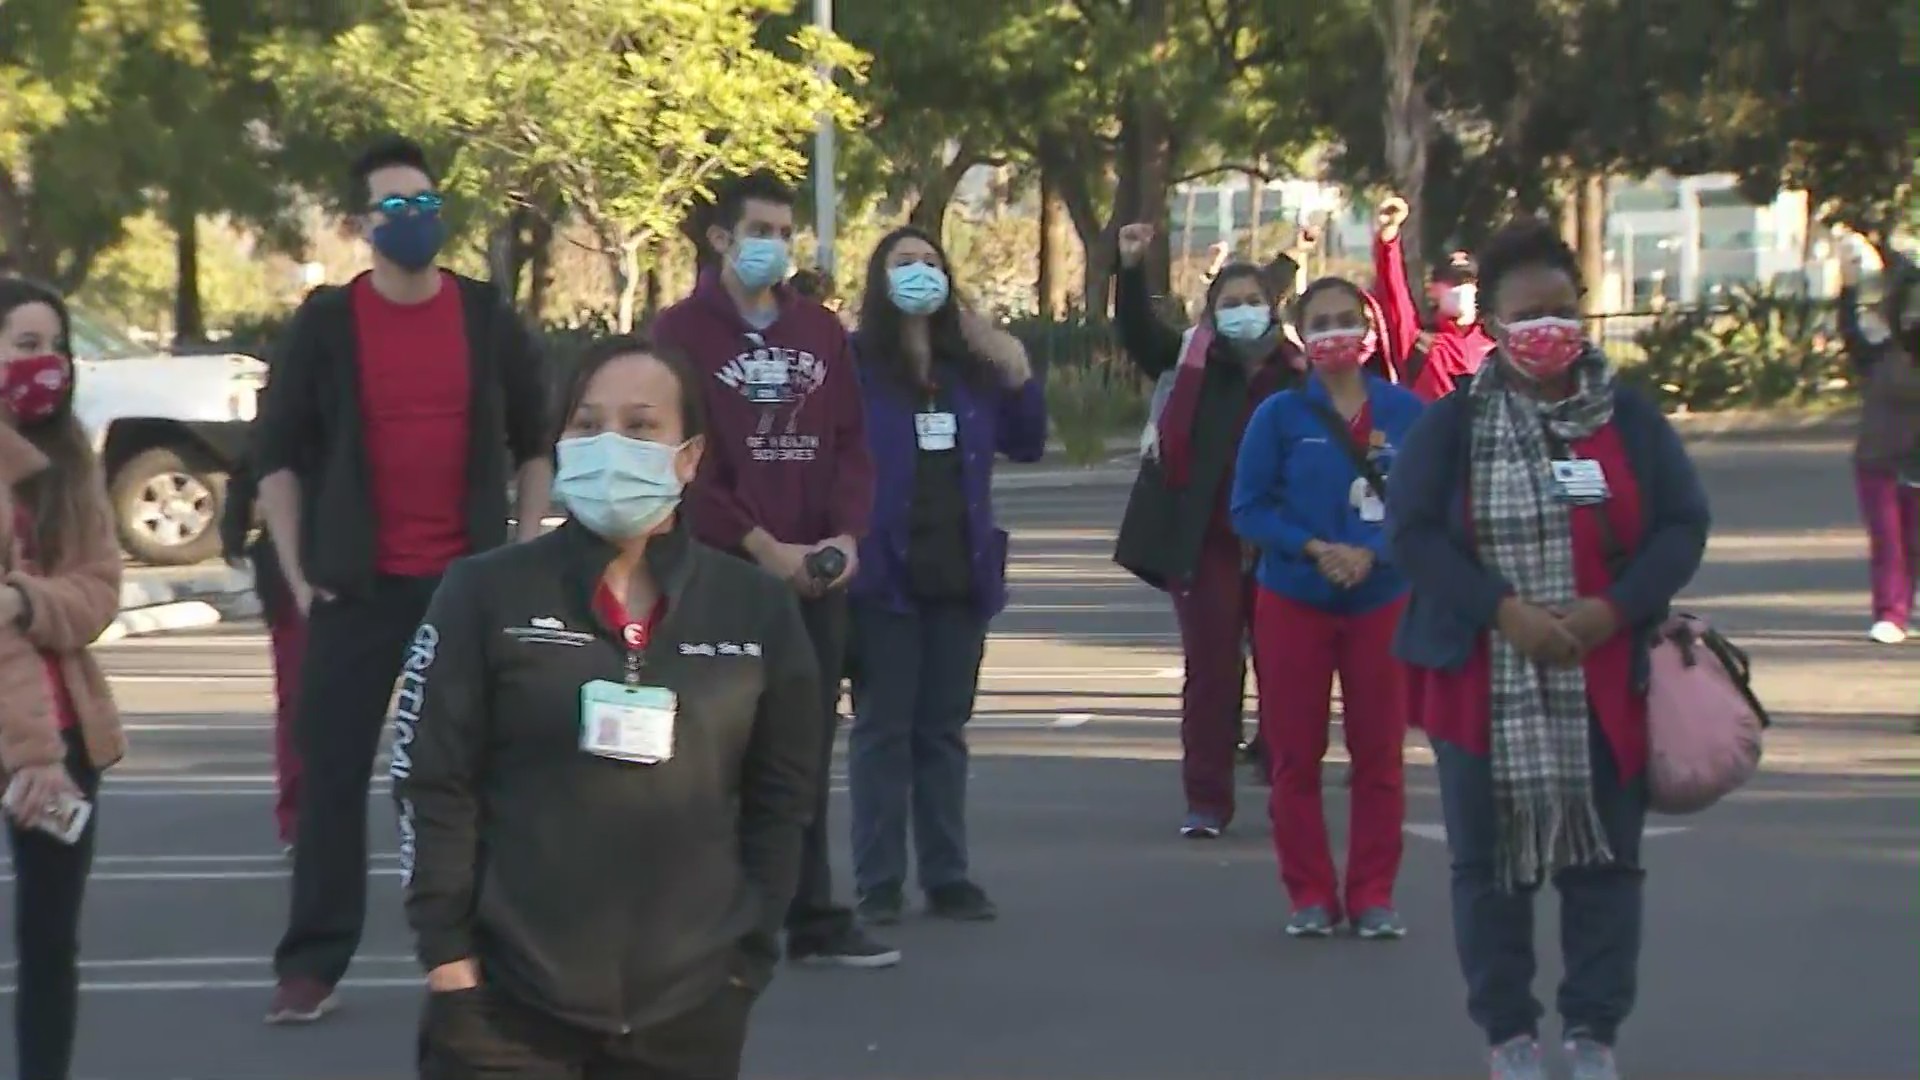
[{"x": 786, "y": 446}]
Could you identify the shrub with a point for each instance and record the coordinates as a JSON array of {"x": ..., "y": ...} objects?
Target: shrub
[
  {"x": 1761, "y": 348},
  {"x": 1091, "y": 403}
]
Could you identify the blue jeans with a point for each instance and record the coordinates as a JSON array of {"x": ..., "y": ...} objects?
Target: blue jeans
[
  {"x": 1600, "y": 906},
  {"x": 907, "y": 752}
]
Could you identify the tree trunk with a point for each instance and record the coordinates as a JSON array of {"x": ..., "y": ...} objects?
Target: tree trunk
[
  {"x": 627, "y": 280},
  {"x": 1046, "y": 270},
  {"x": 1593, "y": 240},
  {"x": 929, "y": 212},
  {"x": 540, "y": 269},
  {"x": 189, "y": 322},
  {"x": 1404, "y": 26},
  {"x": 1145, "y": 168},
  {"x": 654, "y": 290}
]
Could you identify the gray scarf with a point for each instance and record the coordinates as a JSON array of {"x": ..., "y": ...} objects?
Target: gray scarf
[{"x": 1542, "y": 772}]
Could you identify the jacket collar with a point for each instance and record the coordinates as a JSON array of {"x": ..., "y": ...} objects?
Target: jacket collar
[{"x": 670, "y": 559}]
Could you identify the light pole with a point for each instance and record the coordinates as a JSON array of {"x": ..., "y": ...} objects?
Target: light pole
[{"x": 826, "y": 194}]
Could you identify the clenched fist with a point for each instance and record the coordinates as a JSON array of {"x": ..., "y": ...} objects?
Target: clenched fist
[
  {"x": 1133, "y": 243},
  {"x": 1391, "y": 215}
]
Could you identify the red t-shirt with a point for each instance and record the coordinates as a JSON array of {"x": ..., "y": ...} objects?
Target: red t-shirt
[
  {"x": 56, "y": 679},
  {"x": 1455, "y": 705},
  {"x": 415, "y": 383}
]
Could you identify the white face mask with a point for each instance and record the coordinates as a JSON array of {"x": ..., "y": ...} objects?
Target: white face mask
[
  {"x": 618, "y": 487},
  {"x": 1460, "y": 303}
]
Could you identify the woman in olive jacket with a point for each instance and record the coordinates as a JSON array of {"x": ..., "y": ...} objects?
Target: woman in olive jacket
[{"x": 1176, "y": 534}]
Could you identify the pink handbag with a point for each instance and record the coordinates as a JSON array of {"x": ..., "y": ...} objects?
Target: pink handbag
[{"x": 1703, "y": 722}]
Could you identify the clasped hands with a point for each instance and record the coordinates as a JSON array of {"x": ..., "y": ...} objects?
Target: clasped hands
[
  {"x": 1343, "y": 564},
  {"x": 1556, "y": 636}
]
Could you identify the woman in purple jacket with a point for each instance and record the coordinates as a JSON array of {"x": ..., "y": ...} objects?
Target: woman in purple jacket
[{"x": 945, "y": 392}]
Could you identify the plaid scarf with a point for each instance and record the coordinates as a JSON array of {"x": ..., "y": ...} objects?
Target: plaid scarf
[{"x": 1542, "y": 775}]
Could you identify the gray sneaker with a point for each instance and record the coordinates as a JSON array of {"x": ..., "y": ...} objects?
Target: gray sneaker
[
  {"x": 1379, "y": 924},
  {"x": 1518, "y": 1059},
  {"x": 1591, "y": 1060},
  {"x": 1314, "y": 922}
]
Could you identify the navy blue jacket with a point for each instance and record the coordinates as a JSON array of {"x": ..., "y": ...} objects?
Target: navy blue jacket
[
  {"x": 1294, "y": 483},
  {"x": 1455, "y": 598}
]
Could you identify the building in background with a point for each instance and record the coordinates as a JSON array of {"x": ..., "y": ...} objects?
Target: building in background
[{"x": 1688, "y": 240}]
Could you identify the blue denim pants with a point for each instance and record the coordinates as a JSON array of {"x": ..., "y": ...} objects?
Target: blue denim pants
[
  {"x": 907, "y": 753},
  {"x": 1600, "y": 906}
]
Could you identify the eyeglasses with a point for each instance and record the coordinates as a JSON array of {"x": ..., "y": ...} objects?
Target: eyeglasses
[{"x": 427, "y": 202}]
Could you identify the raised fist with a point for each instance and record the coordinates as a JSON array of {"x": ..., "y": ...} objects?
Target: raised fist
[
  {"x": 1133, "y": 243},
  {"x": 1391, "y": 215}
]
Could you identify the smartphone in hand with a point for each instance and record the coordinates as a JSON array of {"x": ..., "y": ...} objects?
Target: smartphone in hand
[{"x": 65, "y": 820}]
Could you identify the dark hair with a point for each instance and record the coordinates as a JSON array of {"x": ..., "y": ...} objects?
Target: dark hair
[
  {"x": 761, "y": 185},
  {"x": 1326, "y": 284},
  {"x": 1520, "y": 244},
  {"x": 385, "y": 153},
  {"x": 882, "y": 323},
  {"x": 812, "y": 284},
  {"x": 693, "y": 409},
  {"x": 66, "y": 497},
  {"x": 1234, "y": 271},
  {"x": 1458, "y": 268}
]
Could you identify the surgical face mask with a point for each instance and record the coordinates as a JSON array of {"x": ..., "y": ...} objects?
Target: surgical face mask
[
  {"x": 760, "y": 262},
  {"x": 1544, "y": 348},
  {"x": 1340, "y": 350},
  {"x": 1460, "y": 302},
  {"x": 1248, "y": 322},
  {"x": 616, "y": 486},
  {"x": 411, "y": 240},
  {"x": 917, "y": 288}
]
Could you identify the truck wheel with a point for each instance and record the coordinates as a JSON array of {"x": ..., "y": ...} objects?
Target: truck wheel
[{"x": 166, "y": 506}]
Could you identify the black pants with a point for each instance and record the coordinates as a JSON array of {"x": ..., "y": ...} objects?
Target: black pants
[
  {"x": 813, "y": 917},
  {"x": 1599, "y": 906},
  {"x": 49, "y": 882},
  {"x": 355, "y": 647},
  {"x": 476, "y": 1034}
]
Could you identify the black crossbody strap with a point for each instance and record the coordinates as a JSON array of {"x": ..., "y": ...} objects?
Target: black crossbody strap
[{"x": 1342, "y": 433}]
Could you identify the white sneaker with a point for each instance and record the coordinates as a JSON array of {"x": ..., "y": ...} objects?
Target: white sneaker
[{"x": 1887, "y": 633}]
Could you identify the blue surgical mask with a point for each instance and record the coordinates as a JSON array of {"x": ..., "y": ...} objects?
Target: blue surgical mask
[
  {"x": 616, "y": 486},
  {"x": 917, "y": 288},
  {"x": 410, "y": 240},
  {"x": 760, "y": 261},
  {"x": 1248, "y": 322}
]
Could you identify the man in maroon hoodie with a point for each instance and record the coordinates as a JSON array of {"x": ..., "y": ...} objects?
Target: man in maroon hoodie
[
  {"x": 1428, "y": 362},
  {"x": 786, "y": 479}
]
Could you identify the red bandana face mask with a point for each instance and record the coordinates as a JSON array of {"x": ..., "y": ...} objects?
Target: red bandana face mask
[
  {"x": 34, "y": 387},
  {"x": 1544, "y": 348},
  {"x": 1339, "y": 350}
]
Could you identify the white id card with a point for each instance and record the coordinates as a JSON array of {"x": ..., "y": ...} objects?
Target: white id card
[
  {"x": 627, "y": 723},
  {"x": 766, "y": 380},
  {"x": 1373, "y": 509},
  {"x": 1580, "y": 481},
  {"x": 934, "y": 430}
]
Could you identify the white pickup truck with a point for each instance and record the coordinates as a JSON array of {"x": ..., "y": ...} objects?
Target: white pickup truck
[{"x": 168, "y": 430}]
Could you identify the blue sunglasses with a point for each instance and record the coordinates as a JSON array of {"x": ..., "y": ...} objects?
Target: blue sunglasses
[{"x": 427, "y": 202}]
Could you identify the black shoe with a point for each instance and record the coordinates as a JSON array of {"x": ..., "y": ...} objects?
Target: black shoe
[
  {"x": 962, "y": 901},
  {"x": 881, "y": 907},
  {"x": 849, "y": 948}
]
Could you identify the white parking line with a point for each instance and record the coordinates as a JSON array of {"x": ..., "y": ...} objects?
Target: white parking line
[
  {"x": 209, "y": 875},
  {"x": 173, "y": 986},
  {"x": 146, "y": 962}
]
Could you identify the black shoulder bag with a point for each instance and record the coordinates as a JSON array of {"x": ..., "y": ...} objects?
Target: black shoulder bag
[{"x": 1342, "y": 433}]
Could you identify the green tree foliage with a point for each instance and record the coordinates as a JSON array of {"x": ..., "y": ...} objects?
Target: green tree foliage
[{"x": 622, "y": 113}]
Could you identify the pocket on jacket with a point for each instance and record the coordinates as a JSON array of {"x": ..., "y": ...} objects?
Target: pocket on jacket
[{"x": 466, "y": 1032}]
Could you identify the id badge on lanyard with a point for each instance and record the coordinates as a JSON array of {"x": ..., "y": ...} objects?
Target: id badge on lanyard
[
  {"x": 1580, "y": 482},
  {"x": 629, "y": 721}
]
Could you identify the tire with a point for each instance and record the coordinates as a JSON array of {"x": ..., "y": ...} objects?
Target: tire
[{"x": 166, "y": 506}]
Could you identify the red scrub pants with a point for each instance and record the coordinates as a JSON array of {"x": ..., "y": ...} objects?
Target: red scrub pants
[{"x": 1310, "y": 645}]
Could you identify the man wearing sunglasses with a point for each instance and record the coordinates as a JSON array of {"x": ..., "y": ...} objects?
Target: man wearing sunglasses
[{"x": 392, "y": 408}]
